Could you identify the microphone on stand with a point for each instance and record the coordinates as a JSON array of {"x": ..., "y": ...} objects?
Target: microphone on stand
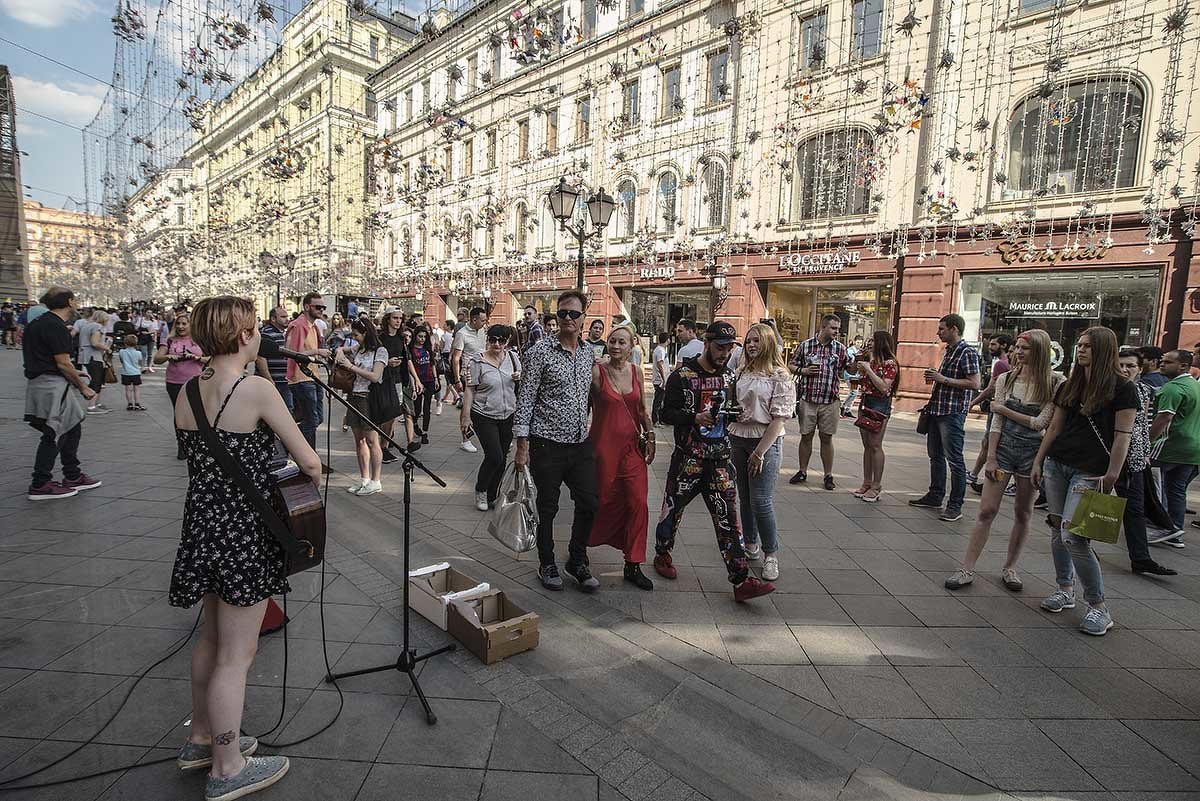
[{"x": 267, "y": 349}]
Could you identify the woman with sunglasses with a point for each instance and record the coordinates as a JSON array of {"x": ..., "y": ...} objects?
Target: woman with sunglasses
[{"x": 489, "y": 402}]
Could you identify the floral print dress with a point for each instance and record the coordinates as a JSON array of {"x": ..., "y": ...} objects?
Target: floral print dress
[{"x": 225, "y": 547}]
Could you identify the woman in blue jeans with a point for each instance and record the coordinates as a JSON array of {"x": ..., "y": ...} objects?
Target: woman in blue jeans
[
  {"x": 767, "y": 396},
  {"x": 1084, "y": 449}
]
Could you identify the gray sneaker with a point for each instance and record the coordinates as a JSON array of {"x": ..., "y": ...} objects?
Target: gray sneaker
[
  {"x": 754, "y": 553},
  {"x": 259, "y": 774},
  {"x": 580, "y": 572},
  {"x": 548, "y": 575},
  {"x": 1096, "y": 622},
  {"x": 960, "y": 579},
  {"x": 194, "y": 755},
  {"x": 1060, "y": 600}
]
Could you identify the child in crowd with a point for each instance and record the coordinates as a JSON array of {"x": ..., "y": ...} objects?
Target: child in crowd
[{"x": 131, "y": 373}]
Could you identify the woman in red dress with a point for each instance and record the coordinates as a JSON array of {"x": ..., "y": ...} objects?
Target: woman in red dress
[{"x": 618, "y": 418}]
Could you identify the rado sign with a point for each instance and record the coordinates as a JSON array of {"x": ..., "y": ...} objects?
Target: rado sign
[
  {"x": 1011, "y": 253},
  {"x": 651, "y": 273},
  {"x": 818, "y": 263}
]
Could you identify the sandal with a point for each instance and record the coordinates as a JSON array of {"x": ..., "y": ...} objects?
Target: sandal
[
  {"x": 1011, "y": 580},
  {"x": 861, "y": 491},
  {"x": 869, "y": 498}
]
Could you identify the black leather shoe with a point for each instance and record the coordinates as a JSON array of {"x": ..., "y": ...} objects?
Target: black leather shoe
[
  {"x": 799, "y": 478},
  {"x": 635, "y": 576},
  {"x": 581, "y": 574},
  {"x": 1150, "y": 567}
]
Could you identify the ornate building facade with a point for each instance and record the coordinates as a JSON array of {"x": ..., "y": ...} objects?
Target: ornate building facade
[{"x": 81, "y": 251}]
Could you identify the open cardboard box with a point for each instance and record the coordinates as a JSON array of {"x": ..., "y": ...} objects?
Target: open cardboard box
[
  {"x": 429, "y": 587},
  {"x": 491, "y": 626}
]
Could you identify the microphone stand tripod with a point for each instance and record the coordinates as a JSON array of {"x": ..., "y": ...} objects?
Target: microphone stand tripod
[{"x": 408, "y": 659}]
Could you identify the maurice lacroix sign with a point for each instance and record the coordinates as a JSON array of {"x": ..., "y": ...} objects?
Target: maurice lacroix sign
[
  {"x": 819, "y": 263},
  {"x": 1087, "y": 309}
]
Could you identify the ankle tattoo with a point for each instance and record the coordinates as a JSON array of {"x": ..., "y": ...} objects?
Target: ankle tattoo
[{"x": 226, "y": 738}]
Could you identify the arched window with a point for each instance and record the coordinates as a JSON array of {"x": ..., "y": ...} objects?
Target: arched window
[
  {"x": 668, "y": 202},
  {"x": 545, "y": 227},
  {"x": 468, "y": 237},
  {"x": 489, "y": 239},
  {"x": 712, "y": 195},
  {"x": 447, "y": 239},
  {"x": 626, "y": 208},
  {"x": 1082, "y": 138},
  {"x": 521, "y": 231},
  {"x": 390, "y": 243},
  {"x": 831, "y": 175}
]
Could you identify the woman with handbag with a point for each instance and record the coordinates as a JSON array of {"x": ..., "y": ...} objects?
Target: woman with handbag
[
  {"x": 880, "y": 371},
  {"x": 489, "y": 403},
  {"x": 1021, "y": 409},
  {"x": 367, "y": 358},
  {"x": 1084, "y": 449},
  {"x": 422, "y": 358},
  {"x": 393, "y": 336},
  {"x": 766, "y": 394},
  {"x": 622, "y": 437},
  {"x": 227, "y": 556},
  {"x": 183, "y": 357}
]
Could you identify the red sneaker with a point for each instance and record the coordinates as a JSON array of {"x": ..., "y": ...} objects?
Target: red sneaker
[
  {"x": 664, "y": 566},
  {"x": 82, "y": 482},
  {"x": 752, "y": 588},
  {"x": 50, "y": 491}
]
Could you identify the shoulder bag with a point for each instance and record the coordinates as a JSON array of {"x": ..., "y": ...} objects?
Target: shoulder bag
[
  {"x": 294, "y": 514},
  {"x": 341, "y": 378}
]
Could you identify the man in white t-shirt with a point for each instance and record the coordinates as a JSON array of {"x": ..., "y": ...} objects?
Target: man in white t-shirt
[
  {"x": 690, "y": 345},
  {"x": 468, "y": 341},
  {"x": 659, "y": 368}
]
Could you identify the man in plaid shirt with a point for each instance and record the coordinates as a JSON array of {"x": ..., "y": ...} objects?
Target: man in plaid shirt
[
  {"x": 954, "y": 384},
  {"x": 818, "y": 364}
]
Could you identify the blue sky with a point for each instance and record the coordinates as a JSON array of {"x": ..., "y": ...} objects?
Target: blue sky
[{"x": 75, "y": 32}]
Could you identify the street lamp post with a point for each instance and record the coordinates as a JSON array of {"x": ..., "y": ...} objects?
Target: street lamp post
[{"x": 563, "y": 200}]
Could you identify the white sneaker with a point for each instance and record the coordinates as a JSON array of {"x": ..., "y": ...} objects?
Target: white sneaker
[
  {"x": 357, "y": 485},
  {"x": 481, "y": 502},
  {"x": 370, "y": 488},
  {"x": 770, "y": 571},
  {"x": 754, "y": 552},
  {"x": 469, "y": 447},
  {"x": 438, "y": 410}
]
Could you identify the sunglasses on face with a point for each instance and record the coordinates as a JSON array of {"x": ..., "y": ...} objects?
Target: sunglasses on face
[
  {"x": 315, "y": 306},
  {"x": 563, "y": 314},
  {"x": 500, "y": 340}
]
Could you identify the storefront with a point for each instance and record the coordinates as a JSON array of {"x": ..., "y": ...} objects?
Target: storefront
[{"x": 655, "y": 310}]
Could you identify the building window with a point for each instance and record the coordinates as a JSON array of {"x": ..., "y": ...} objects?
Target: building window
[
  {"x": 583, "y": 119},
  {"x": 373, "y": 46},
  {"x": 497, "y": 57},
  {"x": 491, "y": 150},
  {"x": 668, "y": 202},
  {"x": 672, "y": 99},
  {"x": 1089, "y": 139},
  {"x": 630, "y": 103},
  {"x": 447, "y": 239},
  {"x": 468, "y": 158},
  {"x": 372, "y": 107},
  {"x": 472, "y": 73},
  {"x": 448, "y": 161},
  {"x": 588, "y": 23},
  {"x": 408, "y": 105},
  {"x": 179, "y": 215},
  {"x": 830, "y": 176},
  {"x": 712, "y": 195},
  {"x": 489, "y": 235},
  {"x": 468, "y": 237},
  {"x": 637, "y": 7},
  {"x": 522, "y": 139},
  {"x": 552, "y": 131},
  {"x": 426, "y": 95},
  {"x": 812, "y": 41},
  {"x": 866, "y": 28},
  {"x": 718, "y": 77},
  {"x": 626, "y": 208},
  {"x": 1033, "y": 6},
  {"x": 545, "y": 227},
  {"x": 521, "y": 233}
]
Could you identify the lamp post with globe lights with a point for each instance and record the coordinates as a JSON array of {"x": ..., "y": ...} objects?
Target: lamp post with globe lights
[{"x": 563, "y": 200}]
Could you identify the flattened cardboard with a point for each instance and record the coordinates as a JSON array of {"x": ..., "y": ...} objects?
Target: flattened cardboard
[
  {"x": 492, "y": 627},
  {"x": 427, "y": 589}
]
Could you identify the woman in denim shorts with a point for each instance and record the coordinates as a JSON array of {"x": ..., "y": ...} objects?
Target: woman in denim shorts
[
  {"x": 1022, "y": 406},
  {"x": 879, "y": 370}
]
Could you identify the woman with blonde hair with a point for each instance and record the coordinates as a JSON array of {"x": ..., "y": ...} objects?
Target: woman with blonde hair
[
  {"x": 1022, "y": 408},
  {"x": 227, "y": 557},
  {"x": 767, "y": 396}
]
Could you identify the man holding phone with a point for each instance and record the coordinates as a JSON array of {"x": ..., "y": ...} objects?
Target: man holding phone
[{"x": 818, "y": 364}]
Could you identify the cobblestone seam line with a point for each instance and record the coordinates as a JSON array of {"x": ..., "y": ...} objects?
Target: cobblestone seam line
[{"x": 634, "y": 776}]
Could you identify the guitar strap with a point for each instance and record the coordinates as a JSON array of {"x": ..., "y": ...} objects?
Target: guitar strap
[{"x": 235, "y": 472}]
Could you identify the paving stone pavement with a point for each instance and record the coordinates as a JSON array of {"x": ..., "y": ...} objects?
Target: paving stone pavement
[{"x": 861, "y": 678}]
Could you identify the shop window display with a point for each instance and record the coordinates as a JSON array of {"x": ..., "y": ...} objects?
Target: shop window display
[{"x": 1064, "y": 305}]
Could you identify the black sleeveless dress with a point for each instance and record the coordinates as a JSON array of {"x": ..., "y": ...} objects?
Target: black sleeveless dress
[{"x": 225, "y": 547}]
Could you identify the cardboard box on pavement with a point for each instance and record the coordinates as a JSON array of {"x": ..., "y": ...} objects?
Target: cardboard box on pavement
[
  {"x": 491, "y": 626},
  {"x": 429, "y": 587}
]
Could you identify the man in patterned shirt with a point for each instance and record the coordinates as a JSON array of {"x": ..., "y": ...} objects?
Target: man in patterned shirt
[
  {"x": 551, "y": 427},
  {"x": 818, "y": 364},
  {"x": 954, "y": 383}
]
